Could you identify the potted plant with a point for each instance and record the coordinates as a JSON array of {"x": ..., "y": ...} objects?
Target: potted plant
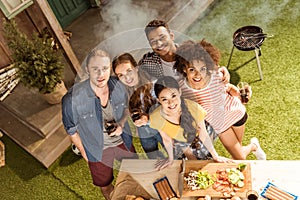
[{"x": 38, "y": 64}]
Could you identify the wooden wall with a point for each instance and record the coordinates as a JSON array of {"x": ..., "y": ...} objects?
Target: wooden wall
[{"x": 28, "y": 21}]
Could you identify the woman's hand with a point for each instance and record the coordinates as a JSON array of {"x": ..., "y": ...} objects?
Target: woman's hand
[
  {"x": 161, "y": 164},
  {"x": 249, "y": 91},
  {"x": 222, "y": 159},
  {"x": 142, "y": 121},
  {"x": 226, "y": 74}
]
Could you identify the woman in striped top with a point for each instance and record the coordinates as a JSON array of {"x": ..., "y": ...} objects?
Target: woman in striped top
[{"x": 198, "y": 62}]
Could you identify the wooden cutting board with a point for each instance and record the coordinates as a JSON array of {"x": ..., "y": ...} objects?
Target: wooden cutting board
[{"x": 212, "y": 167}]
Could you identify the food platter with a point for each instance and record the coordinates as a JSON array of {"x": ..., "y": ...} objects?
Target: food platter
[{"x": 212, "y": 167}]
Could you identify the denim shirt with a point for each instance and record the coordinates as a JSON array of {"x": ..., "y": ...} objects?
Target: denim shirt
[{"x": 82, "y": 113}]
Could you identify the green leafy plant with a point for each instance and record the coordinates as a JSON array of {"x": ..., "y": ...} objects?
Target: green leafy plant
[{"x": 37, "y": 62}]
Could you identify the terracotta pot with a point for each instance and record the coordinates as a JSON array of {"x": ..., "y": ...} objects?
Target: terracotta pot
[{"x": 56, "y": 96}]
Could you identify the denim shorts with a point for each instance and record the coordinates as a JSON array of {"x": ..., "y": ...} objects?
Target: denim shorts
[{"x": 197, "y": 147}]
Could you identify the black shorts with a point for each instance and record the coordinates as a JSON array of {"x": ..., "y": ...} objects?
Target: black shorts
[{"x": 242, "y": 121}]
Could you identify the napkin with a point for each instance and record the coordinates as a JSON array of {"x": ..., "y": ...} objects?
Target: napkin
[{"x": 126, "y": 185}]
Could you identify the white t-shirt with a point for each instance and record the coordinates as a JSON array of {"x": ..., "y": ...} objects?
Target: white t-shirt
[
  {"x": 109, "y": 141},
  {"x": 169, "y": 71}
]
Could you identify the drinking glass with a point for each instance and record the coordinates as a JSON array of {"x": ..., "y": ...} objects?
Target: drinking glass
[
  {"x": 110, "y": 126},
  {"x": 244, "y": 91},
  {"x": 252, "y": 195}
]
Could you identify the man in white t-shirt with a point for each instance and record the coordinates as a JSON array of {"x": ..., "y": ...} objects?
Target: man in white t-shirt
[{"x": 160, "y": 62}]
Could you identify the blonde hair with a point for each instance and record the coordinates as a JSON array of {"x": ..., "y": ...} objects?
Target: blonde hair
[{"x": 96, "y": 52}]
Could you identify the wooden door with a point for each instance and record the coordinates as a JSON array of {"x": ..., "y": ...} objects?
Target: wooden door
[{"x": 66, "y": 11}]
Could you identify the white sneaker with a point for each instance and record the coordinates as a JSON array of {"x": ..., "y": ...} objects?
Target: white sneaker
[{"x": 259, "y": 153}]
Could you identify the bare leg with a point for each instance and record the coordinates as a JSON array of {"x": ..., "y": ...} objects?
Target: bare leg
[
  {"x": 239, "y": 132},
  {"x": 106, "y": 191},
  {"x": 232, "y": 144}
]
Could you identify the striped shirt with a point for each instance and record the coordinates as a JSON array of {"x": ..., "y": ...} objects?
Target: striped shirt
[{"x": 223, "y": 110}]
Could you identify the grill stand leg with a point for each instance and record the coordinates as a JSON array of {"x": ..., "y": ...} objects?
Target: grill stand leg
[
  {"x": 230, "y": 57},
  {"x": 257, "y": 54}
]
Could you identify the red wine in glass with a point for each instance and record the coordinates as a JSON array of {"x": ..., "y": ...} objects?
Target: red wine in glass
[
  {"x": 244, "y": 96},
  {"x": 252, "y": 197},
  {"x": 244, "y": 91}
]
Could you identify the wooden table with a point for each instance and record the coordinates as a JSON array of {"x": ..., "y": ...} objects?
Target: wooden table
[{"x": 284, "y": 174}]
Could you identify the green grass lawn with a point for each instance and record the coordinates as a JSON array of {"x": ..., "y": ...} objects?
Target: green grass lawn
[{"x": 274, "y": 110}]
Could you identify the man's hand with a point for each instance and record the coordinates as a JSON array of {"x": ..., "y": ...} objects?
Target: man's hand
[{"x": 117, "y": 132}]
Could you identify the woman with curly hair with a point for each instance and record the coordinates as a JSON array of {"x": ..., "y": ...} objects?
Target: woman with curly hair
[{"x": 198, "y": 63}]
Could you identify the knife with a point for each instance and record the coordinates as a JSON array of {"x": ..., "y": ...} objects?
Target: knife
[{"x": 180, "y": 178}]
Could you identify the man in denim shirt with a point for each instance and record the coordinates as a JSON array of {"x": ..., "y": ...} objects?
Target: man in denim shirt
[{"x": 95, "y": 117}]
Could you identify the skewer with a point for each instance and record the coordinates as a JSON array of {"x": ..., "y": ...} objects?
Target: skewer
[{"x": 275, "y": 193}]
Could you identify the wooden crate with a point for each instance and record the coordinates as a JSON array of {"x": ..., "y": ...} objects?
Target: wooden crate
[{"x": 2, "y": 154}]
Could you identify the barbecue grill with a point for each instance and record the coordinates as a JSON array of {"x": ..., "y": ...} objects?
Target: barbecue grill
[{"x": 249, "y": 38}]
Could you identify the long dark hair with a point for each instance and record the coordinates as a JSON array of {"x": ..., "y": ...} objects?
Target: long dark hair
[
  {"x": 186, "y": 118},
  {"x": 141, "y": 100}
]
